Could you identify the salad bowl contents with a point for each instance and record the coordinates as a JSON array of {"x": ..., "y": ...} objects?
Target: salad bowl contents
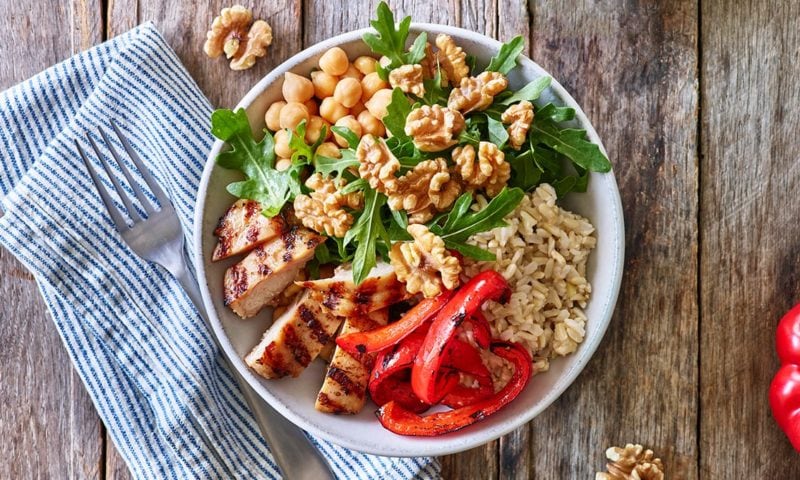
[{"x": 399, "y": 239}]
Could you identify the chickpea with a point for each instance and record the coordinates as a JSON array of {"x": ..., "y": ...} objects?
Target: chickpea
[
  {"x": 282, "y": 148},
  {"x": 378, "y": 103},
  {"x": 365, "y": 65},
  {"x": 273, "y": 116},
  {"x": 370, "y": 84},
  {"x": 334, "y": 61},
  {"x": 314, "y": 128},
  {"x": 297, "y": 88},
  {"x": 348, "y": 92},
  {"x": 352, "y": 72},
  {"x": 357, "y": 108},
  {"x": 324, "y": 84},
  {"x": 328, "y": 149},
  {"x": 370, "y": 124},
  {"x": 282, "y": 164},
  {"x": 311, "y": 106},
  {"x": 292, "y": 114},
  {"x": 351, "y": 123},
  {"x": 331, "y": 110}
]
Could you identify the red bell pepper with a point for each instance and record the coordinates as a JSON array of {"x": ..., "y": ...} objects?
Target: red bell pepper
[
  {"x": 465, "y": 358},
  {"x": 784, "y": 392},
  {"x": 487, "y": 285},
  {"x": 481, "y": 331},
  {"x": 401, "y": 421},
  {"x": 388, "y": 335},
  {"x": 386, "y": 381}
]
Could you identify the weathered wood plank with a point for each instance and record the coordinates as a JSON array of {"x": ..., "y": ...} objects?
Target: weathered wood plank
[
  {"x": 750, "y": 267},
  {"x": 632, "y": 66},
  {"x": 48, "y": 424}
]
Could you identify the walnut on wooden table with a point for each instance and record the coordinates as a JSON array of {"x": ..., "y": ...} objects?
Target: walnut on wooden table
[
  {"x": 477, "y": 93},
  {"x": 424, "y": 264},
  {"x": 235, "y": 34},
  {"x": 434, "y": 128},
  {"x": 486, "y": 170},
  {"x": 631, "y": 462}
]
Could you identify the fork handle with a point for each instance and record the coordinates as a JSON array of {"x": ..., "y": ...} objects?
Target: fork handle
[{"x": 294, "y": 453}]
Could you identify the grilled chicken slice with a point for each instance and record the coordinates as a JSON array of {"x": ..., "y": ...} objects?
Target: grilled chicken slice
[
  {"x": 379, "y": 290},
  {"x": 267, "y": 270},
  {"x": 243, "y": 228},
  {"x": 294, "y": 340},
  {"x": 345, "y": 385}
]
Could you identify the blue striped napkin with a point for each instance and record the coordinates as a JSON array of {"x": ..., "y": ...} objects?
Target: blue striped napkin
[{"x": 149, "y": 364}]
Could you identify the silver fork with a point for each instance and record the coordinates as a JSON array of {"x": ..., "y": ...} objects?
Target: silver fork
[{"x": 158, "y": 238}]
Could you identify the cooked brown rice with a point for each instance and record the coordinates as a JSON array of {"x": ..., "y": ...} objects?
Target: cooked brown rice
[{"x": 542, "y": 253}]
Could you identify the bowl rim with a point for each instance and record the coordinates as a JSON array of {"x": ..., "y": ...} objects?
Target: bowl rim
[{"x": 588, "y": 348}]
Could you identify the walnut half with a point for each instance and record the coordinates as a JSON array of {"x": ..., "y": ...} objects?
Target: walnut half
[
  {"x": 427, "y": 188},
  {"x": 632, "y": 462},
  {"x": 408, "y": 78},
  {"x": 425, "y": 265},
  {"x": 477, "y": 93},
  {"x": 322, "y": 210},
  {"x": 487, "y": 169},
  {"x": 434, "y": 128},
  {"x": 232, "y": 34},
  {"x": 520, "y": 117}
]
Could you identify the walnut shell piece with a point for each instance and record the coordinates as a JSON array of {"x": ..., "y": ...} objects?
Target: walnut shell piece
[
  {"x": 477, "y": 93},
  {"x": 231, "y": 33},
  {"x": 424, "y": 264},
  {"x": 452, "y": 59},
  {"x": 487, "y": 170},
  {"x": 377, "y": 165},
  {"x": 434, "y": 128},
  {"x": 631, "y": 462},
  {"x": 322, "y": 210},
  {"x": 408, "y": 78},
  {"x": 520, "y": 117}
]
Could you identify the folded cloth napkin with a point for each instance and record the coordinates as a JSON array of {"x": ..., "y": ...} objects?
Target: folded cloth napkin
[{"x": 148, "y": 362}]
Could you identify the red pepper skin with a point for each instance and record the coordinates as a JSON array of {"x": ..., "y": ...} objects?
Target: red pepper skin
[
  {"x": 481, "y": 330},
  {"x": 403, "y": 422},
  {"x": 784, "y": 392},
  {"x": 386, "y": 336},
  {"x": 466, "y": 358},
  {"x": 386, "y": 382},
  {"x": 487, "y": 285}
]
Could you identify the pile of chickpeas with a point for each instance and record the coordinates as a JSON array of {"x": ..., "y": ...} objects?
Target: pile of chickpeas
[{"x": 340, "y": 93}]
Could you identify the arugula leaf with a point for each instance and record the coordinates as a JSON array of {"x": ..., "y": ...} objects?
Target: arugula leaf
[
  {"x": 391, "y": 42},
  {"x": 572, "y": 143},
  {"x": 471, "y": 251},
  {"x": 529, "y": 92},
  {"x": 506, "y": 58},
  {"x": 435, "y": 93},
  {"x": 365, "y": 233},
  {"x": 526, "y": 173},
  {"x": 555, "y": 114},
  {"x": 347, "y": 134},
  {"x": 497, "y": 132},
  {"x": 303, "y": 152},
  {"x": 468, "y": 224},
  {"x": 396, "y": 113},
  {"x": 271, "y": 188},
  {"x": 354, "y": 186},
  {"x": 398, "y": 223},
  {"x": 328, "y": 166},
  {"x": 459, "y": 209}
]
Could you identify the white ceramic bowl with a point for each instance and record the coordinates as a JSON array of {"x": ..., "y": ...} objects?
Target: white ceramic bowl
[{"x": 294, "y": 397}]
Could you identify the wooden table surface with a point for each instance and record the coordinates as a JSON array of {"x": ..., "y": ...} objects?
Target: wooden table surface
[{"x": 699, "y": 107}]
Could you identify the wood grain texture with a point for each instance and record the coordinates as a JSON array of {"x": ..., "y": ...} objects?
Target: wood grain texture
[
  {"x": 632, "y": 66},
  {"x": 750, "y": 262},
  {"x": 48, "y": 426}
]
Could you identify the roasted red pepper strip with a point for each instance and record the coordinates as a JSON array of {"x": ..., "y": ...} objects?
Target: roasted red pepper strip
[
  {"x": 465, "y": 358},
  {"x": 487, "y": 285},
  {"x": 401, "y": 421},
  {"x": 389, "y": 378},
  {"x": 784, "y": 392},
  {"x": 391, "y": 334},
  {"x": 481, "y": 330}
]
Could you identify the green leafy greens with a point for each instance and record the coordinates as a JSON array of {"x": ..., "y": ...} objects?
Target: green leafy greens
[
  {"x": 506, "y": 58},
  {"x": 271, "y": 188},
  {"x": 365, "y": 233},
  {"x": 390, "y": 41}
]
